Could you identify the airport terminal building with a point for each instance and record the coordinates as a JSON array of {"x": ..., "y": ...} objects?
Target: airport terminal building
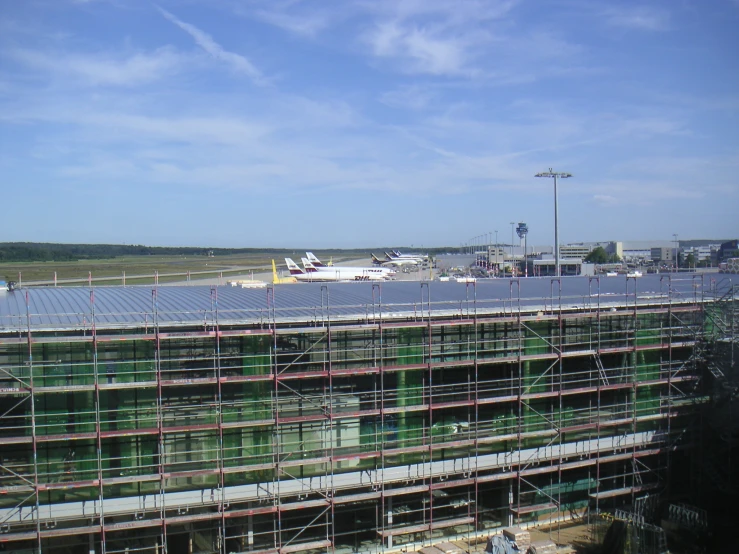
[{"x": 351, "y": 417}]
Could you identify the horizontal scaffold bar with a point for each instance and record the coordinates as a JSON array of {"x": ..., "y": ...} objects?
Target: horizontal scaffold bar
[
  {"x": 621, "y": 492},
  {"x": 406, "y": 529}
]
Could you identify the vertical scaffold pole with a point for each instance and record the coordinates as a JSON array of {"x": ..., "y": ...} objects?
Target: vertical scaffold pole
[
  {"x": 277, "y": 437},
  {"x": 98, "y": 435},
  {"x": 34, "y": 436},
  {"x": 219, "y": 391},
  {"x": 670, "y": 334},
  {"x": 330, "y": 529},
  {"x": 160, "y": 418},
  {"x": 599, "y": 382},
  {"x": 560, "y": 385},
  {"x": 635, "y": 389},
  {"x": 380, "y": 513},
  {"x": 557, "y": 342},
  {"x": 471, "y": 471},
  {"x": 430, "y": 380},
  {"x": 475, "y": 450},
  {"x": 520, "y": 422}
]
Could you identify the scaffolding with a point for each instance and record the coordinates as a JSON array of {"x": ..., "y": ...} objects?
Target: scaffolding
[
  {"x": 710, "y": 467},
  {"x": 345, "y": 428}
]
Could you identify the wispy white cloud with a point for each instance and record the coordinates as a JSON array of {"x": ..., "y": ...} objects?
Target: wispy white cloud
[
  {"x": 650, "y": 126},
  {"x": 309, "y": 24},
  {"x": 454, "y": 13},
  {"x": 480, "y": 40},
  {"x": 638, "y": 191},
  {"x": 605, "y": 200},
  {"x": 237, "y": 62},
  {"x": 103, "y": 122},
  {"x": 644, "y": 18},
  {"x": 413, "y": 97},
  {"x": 102, "y": 68},
  {"x": 304, "y": 19},
  {"x": 420, "y": 50},
  {"x": 432, "y": 37},
  {"x": 474, "y": 39},
  {"x": 656, "y": 179}
]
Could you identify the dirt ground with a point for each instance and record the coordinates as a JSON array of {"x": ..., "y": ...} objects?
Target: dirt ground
[{"x": 570, "y": 539}]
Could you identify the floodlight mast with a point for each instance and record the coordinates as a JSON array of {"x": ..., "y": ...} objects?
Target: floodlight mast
[
  {"x": 512, "y": 264},
  {"x": 554, "y": 175},
  {"x": 677, "y": 253}
]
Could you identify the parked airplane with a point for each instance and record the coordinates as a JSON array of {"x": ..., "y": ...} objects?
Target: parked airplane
[
  {"x": 413, "y": 256},
  {"x": 391, "y": 259},
  {"x": 318, "y": 263},
  {"x": 344, "y": 273},
  {"x": 312, "y": 274},
  {"x": 393, "y": 262},
  {"x": 387, "y": 272}
]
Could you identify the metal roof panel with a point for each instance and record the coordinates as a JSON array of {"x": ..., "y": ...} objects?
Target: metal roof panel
[{"x": 134, "y": 306}]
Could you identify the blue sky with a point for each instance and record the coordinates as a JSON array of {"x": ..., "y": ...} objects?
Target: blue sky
[{"x": 346, "y": 123}]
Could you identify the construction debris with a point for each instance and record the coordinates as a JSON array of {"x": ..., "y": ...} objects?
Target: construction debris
[
  {"x": 431, "y": 550},
  {"x": 519, "y": 537},
  {"x": 543, "y": 547},
  {"x": 449, "y": 548},
  {"x": 499, "y": 544}
]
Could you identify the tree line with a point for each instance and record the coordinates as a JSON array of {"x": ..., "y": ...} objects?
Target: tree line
[
  {"x": 53, "y": 252},
  {"x": 57, "y": 252}
]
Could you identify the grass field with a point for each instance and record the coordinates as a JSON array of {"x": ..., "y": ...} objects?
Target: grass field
[{"x": 146, "y": 266}]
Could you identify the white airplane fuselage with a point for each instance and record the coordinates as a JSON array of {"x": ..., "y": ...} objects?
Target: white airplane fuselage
[
  {"x": 398, "y": 262},
  {"x": 333, "y": 274},
  {"x": 418, "y": 257},
  {"x": 313, "y": 264},
  {"x": 398, "y": 259}
]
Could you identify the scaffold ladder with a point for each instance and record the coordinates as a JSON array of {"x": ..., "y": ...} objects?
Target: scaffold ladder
[
  {"x": 601, "y": 369},
  {"x": 637, "y": 473},
  {"x": 715, "y": 371}
]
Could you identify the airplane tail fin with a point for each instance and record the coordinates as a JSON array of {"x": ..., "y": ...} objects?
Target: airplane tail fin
[
  {"x": 331, "y": 261},
  {"x": 389, "y": 257},
  {"x": 309, "y": 267},
  {"x": 396, "y": 253},
  {"x": 315, "y": 261},
  {"x": 293, "y": 267},
  {"x": 275, "y": 278},
  {"x": 375, "y": 259}
]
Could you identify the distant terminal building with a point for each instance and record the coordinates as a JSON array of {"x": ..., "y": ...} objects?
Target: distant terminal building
[
  {"x": 729, "y": 249},
  {"x": 662, "y": 254},
  {"x": 700, "y": 253},
  {"x": 546, "y": 267},
  {"x": 342, "y": 417},
  {"x": 616, "y": 248},
  {"x": 641, "y": 251},
  {"x": 575, "y": 250},
  {"x": 496, "y": 257},
  {"x": 583, "y": 249}
]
